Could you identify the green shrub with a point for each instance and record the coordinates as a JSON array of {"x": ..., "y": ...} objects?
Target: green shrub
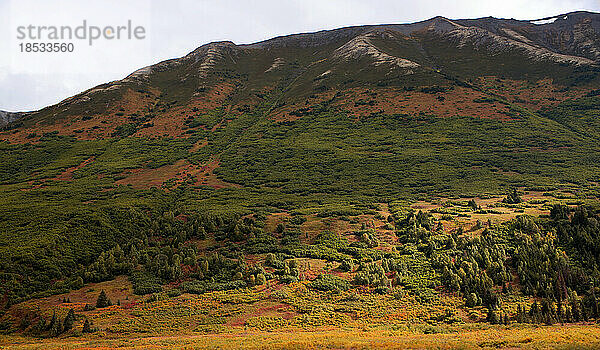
[
  {"x": 145, "y": 283},
  {"x": 325, "y": 282}
]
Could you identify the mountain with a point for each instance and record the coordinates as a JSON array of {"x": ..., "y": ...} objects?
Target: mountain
[
  {"x": 298, "y": 68},
  {"x": 438, "y": 106},
  {"x": 518, "y": 90},
  {"x": 419, "y": 178},
  {"x": 9, "y": 117}
]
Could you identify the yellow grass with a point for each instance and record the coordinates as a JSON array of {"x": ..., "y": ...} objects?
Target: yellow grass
[{"x": 514, "y": 337}]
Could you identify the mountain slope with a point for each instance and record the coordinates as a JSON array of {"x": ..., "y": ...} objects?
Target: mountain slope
[
  {"x": 470, "y": 97},
  {"x": 316, "y": 65},
  {"x": 393, "y": 175}
]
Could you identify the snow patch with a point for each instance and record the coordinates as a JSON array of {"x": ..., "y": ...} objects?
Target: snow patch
[{"x": 545, "y": 21}]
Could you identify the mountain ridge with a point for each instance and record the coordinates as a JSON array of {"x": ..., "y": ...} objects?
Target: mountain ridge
[{"x": 410, "y": 55}]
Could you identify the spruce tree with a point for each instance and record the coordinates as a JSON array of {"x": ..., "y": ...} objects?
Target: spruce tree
[
  {"x": 86, "y": 327},
  {"x": 568, "y": 315},
  {"x": 521, "y": 317},
  {"x": 103, "y": 300},
  {"x": 69, "y": 320},
  {"x": 52, "y": 321},
  {"x": 473, "y": 205},
  {"x": 576, "y": 315},
  {"x": 56, "y": 327},
  {"x": 534, "y": 312},
  {"x": 493, "y": 317},
  {"x": 40, "y": 326},
  {"x": 584, "y": 312}
]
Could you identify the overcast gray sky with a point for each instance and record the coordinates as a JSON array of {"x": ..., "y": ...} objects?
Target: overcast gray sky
[{"x": 30, "y": 81}]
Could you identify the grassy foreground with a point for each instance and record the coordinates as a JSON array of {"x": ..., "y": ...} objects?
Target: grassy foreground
[{"x": 580, "y": 336}]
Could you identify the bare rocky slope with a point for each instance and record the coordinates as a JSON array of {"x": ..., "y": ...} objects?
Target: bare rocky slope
[{"x": 9, "y": 117}]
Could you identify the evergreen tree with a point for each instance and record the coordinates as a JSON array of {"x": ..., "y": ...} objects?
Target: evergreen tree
[
  {"x": 575, "y": 312},
  {"x": 584, "y": 312},
  {"x": 534, "y": 312},
  {"x": 473, "y": 205},
  {"x": 513, "y": 197},
  {"x": 560, "y": 313},
  {"x": 103, "y": 300},
  {"x": 201, "y": 232},
  {"x": 280, "y": 228},
  {"x": 86, "y": 327},
  {"x": 69, "y": 320},
  {"x": 492, "y": 317},
  {"x": 204, "y": 266},
  {"x": 53, "y": 321},
  {"x": 40, "y": 326},
  {"x": 56, "y": 327},
  {"x": 520, "y": 317}
]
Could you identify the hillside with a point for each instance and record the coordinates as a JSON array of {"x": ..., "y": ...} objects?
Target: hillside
[
  {"x": 7, "y": 118},
  {"x": 433, "y": 177}
]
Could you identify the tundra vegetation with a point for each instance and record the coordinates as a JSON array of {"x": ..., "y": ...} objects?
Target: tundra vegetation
[
  {"x": 241, "y": 210},
  {"x": 316, "y": 238}
]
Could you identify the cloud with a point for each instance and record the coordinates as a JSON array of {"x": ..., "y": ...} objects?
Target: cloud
[
  {"x": 32, "y": 80},
  {"x": 22, "y": 90}
]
